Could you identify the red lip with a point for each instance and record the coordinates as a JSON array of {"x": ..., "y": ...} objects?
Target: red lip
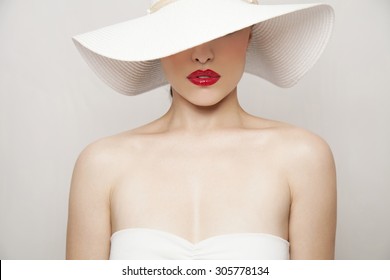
[{"x": 203, "y": 78}]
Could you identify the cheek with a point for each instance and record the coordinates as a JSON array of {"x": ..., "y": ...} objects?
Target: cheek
[
  {"x": 234, "y": 51},
  {"x": 239, "y": 45},
  {"x": 239, "y": 50},
  {"x": 167, "y": 65},
  {"x": 172, "y": 66},
  {"x": 238, "y": 55},
  {"x": 236, "y": 58}
]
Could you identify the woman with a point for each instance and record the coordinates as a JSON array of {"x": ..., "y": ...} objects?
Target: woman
[{"x": 206, "y": 180}]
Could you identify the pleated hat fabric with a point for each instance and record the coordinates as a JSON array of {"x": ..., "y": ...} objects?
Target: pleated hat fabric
[{"x": 287, "y": 40}]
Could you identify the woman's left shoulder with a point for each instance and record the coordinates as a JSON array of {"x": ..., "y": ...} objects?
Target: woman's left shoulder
[
  {"x": 302, "y": 141},
  {"x": 298, "y": 147},
  {"x": 307, "y": 162},
  {"x": 307, "y": 157}
]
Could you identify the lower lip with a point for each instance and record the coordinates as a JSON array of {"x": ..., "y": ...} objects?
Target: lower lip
[{"x": 204, "y": 82}]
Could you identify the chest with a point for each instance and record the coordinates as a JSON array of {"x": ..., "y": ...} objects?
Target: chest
[{"x": 200, "y": 187}]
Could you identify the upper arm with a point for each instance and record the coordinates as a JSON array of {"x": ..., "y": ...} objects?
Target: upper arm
[
  {"x": 312, "y": 180},
  {"x": 89, "y": 228}
]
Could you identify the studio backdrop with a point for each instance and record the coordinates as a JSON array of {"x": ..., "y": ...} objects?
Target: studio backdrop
[{"x": 52, "y": 106}]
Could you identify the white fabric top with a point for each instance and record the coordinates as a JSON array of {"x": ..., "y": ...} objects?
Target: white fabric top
[{"x": 151, "y": 244}]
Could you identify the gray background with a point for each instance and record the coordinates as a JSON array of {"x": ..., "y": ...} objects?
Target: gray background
[{"x": 52, "y": 106}]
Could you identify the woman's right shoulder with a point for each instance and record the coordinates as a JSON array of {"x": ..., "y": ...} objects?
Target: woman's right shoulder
[
  {"x": 101, "y": 162},
  {"x": 99, "y": 150},
  {"x": 107, "y": 150}
]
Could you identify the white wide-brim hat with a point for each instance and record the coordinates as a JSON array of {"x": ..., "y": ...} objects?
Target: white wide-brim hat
[{"x": 286, "y": 41}]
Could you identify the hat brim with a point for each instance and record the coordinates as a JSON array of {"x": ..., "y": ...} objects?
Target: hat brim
[{"x": 286, "y": 40}]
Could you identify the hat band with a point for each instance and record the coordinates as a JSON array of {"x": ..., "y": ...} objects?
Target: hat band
[{"x": 162, "y": 3}]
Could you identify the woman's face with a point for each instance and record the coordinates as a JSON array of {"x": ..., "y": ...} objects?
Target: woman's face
[{"x": 206, "y": 74}]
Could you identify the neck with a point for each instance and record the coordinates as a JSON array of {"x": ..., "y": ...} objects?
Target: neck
[{"x": 186, "y": 117}]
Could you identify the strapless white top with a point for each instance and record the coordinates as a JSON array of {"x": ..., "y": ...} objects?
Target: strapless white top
[{"x": 151, "y": 244}]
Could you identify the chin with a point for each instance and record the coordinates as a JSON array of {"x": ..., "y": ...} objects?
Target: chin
[
  {"x": 205, "y": 103},
  {"x": 206, "y": 97}
]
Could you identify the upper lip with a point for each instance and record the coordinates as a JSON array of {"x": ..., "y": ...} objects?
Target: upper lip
[{"x": 203, "y": 73}]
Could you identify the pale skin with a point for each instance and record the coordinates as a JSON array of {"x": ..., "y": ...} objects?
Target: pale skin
[{"x": 206, "y": 168}]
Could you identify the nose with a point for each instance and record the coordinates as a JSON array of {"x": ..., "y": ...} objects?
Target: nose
[{"x": 202, "y": 54}]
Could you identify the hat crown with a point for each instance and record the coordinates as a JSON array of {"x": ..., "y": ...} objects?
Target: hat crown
[
  {"x": 155, "y": 5},
  {"x": 152, "y": 2}
]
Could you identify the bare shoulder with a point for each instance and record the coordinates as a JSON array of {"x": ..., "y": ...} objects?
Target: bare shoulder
[
  {"x": 306, "y": 153},
  {"x": 105, "y": 159},
  {"x": 104, "y": 152},
  {"x": 304, "y": 146},
  {"x": 302, "y": 154},
  {"x": 294, "y": 142},
  {"x": 311, "y": 175},
  {"x": 98, "y": 153},
  {"x": 89, "y": 229},
  {"x": 89, "y": 222},
  {"x": 98, "y": 166},
  {"x": 308, "y": 160}
]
